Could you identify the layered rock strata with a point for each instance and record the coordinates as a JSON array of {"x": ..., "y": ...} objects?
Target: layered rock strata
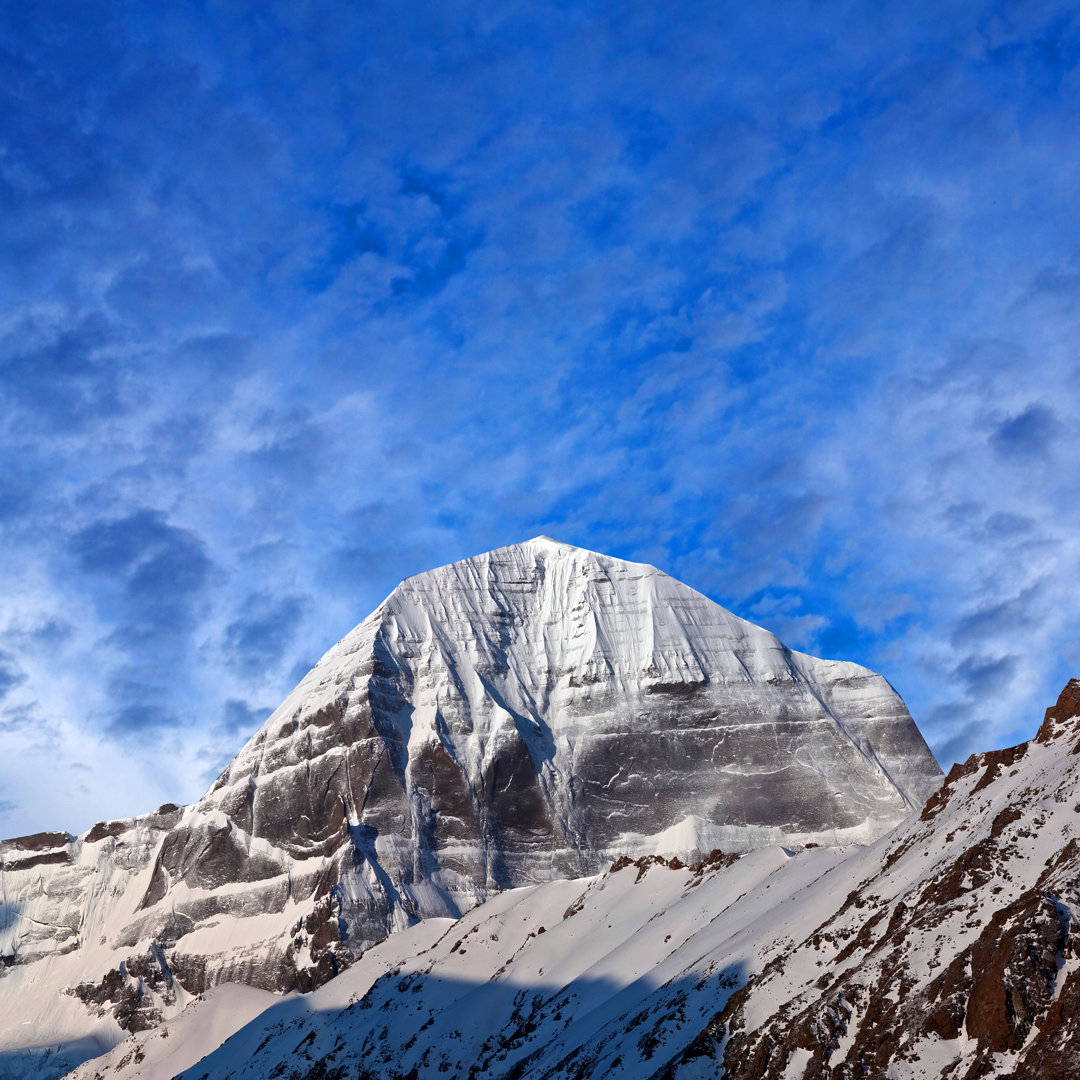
[{"x": 531, "y": 713}]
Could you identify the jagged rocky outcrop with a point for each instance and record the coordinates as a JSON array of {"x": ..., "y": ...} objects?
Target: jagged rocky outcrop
[
  {"x": 959, "y": 959},
  {"x": 948, "y": 950},
  {"x": 518, "y": 717}
]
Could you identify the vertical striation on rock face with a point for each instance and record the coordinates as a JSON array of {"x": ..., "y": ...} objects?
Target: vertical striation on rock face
[
  {"x": 530, "y": 713},
  {"x": 518, "y": 717}
]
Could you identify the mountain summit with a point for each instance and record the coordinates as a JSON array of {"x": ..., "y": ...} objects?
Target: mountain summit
[
  {"x": 533, "y": 712},
  {"x": 522, "y": 716}
]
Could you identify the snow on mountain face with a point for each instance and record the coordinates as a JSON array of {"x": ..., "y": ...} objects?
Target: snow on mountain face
[
  {"x": 533, "y": 712},
  {"x": 510, "y": 719},
  {"x": 949, "y": 949}
]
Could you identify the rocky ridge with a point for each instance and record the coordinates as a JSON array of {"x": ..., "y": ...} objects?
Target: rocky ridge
[{"x": 960, "y": 958}]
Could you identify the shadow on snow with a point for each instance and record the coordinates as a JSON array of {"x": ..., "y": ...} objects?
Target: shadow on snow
[{"x": 413, "y": 1026}]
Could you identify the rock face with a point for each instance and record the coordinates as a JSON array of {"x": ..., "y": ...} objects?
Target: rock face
[
  {"x": 948, "y": 950},
  {"x": 533, "y": 712},
  {"x": 514, "y": 718}
]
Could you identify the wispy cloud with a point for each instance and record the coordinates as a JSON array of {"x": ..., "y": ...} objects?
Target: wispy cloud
[{"x": 301, "y": 300}]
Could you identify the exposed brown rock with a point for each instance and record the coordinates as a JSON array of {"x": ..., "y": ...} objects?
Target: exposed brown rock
[
  {"x": 946, "y": 999},
  {"x": 42, "y": 841},
  {"x": 107, "y": 828},
  {"x": 1054, "y": 1053},
  {"x": 1067, "y": 708},
  {"x": 122, "y": 995},
  {"x": 1004, "y": 819},
  {"x": 190, "y": 972},
  {"x": 971, "y": 869},
  {"x": 715, "y": 860},
  {"x": 47, "y": 858},
  {"x": 1014, "y": 965},
  {"x": 996, "y": 760},
  {"x": 206, "y": 859},
  {"x": 938, "y": 800}
]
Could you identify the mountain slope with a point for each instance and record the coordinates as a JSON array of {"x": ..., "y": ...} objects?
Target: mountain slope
[
  {"x": 519, "y": 717},
  {"x": 946, "y": 950},
  {"x": 960, "y": 958}
]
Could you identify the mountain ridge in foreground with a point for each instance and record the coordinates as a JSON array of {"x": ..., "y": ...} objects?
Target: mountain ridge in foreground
[
  {"x": 947, "y": 950},
  {"x": 523, "y": 716}
]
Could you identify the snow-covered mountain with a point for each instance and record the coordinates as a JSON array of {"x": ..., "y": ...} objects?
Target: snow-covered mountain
[
  {"x": 534, "y": 712},
  {"x": 949, "y": 950},
  {"x": 521, "y": 717}
]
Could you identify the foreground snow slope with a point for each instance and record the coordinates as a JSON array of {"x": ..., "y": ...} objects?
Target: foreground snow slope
[
  {"x": 948, "y": 949},
  {"x": 178, "y": 1043},
  {"x": 540, "y": 976},
  {"x": 515, "y": 718}
]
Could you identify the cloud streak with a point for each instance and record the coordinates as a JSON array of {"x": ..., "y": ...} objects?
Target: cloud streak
[{"x": 300, "y": 300}]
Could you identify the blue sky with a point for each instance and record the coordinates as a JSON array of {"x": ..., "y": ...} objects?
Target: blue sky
[{"x": 299, "y": 299}]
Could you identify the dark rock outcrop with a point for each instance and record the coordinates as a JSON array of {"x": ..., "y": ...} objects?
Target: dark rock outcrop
[{"x": 1003, "y": 836}]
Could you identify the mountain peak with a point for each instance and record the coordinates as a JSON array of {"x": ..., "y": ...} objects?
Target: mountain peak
[
  {"x": 518, "y": 717},
  {"x": 541, "y": 545},
  {"x": 547, "y": 542},
  {"x": 539, "y": 709},
  {"x": 522, "y": 552}
]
